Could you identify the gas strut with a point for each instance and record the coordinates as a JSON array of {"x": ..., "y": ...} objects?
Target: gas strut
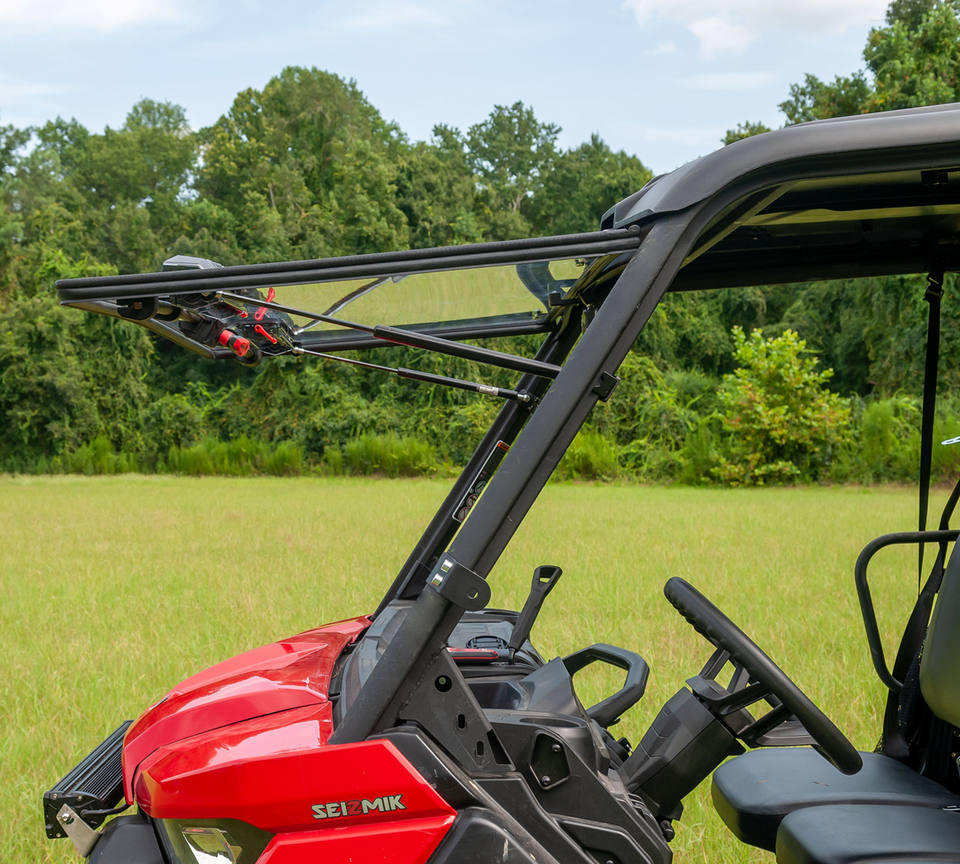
[
  {"x": 399, "y": 336},
  {"x": 427, "y": 377}
]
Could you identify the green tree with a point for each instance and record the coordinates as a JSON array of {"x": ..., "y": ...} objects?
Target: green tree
[
  {"x": 818, "y": 100},
  {"x": 916, "y": 59},
  {"x": 65, "y": 379},
  {"x": 511, "y": 152},
  {"x": 831, "y": 318},
  {"x": 782, "y": 423},
  {"x": 436, "y": 191},
  {"x": 126, "y": 185},
  {"x": 744, "y": 130},
  {"x": 12, "y": 140},
  {"x": 582, "y": 184},
  {"x": 913, "y": 61},
  {"x": 306, "y": 168}
]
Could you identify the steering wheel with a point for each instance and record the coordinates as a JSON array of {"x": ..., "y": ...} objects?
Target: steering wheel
[{"x": 757, "y": 677}]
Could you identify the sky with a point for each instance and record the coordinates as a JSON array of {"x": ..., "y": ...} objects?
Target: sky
[{"x": 662, "y": 79}]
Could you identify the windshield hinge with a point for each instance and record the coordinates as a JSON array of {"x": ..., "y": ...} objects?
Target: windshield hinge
[
  {"x": 606, "y": 385},
  {"x": 555, "y": 298}
]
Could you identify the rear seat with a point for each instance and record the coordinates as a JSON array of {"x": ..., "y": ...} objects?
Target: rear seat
[
  {"x": 755, "y": 791},
  {"x": 850, "y": 834}
]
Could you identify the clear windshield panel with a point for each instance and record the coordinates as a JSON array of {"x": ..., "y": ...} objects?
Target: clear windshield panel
[{"x": 482, "y": 293}]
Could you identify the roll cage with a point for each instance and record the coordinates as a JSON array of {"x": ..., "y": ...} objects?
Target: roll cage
[{"x": 865, "y": 196}]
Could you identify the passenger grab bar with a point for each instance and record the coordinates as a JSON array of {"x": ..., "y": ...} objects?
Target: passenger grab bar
[{"x": 866, "y": 601}]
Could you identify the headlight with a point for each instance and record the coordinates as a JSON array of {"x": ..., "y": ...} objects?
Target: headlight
[
  {"x": 212, "y": 841},
  {"x": 210, "y": 845}
]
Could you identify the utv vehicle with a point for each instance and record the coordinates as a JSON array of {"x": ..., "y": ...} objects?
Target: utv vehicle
[{"x": 431, "y": 729}]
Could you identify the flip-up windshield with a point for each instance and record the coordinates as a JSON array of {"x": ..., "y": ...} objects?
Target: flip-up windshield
[
  {"x": 512, "y": 294},
  {"x": 468, "y": 292}
]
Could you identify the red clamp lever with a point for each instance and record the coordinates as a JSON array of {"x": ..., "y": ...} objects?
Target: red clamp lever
[
  {"x": 237, "y": 344},
  {"x": 258, "y": 315},
  {"x": 264, "y": 333}
]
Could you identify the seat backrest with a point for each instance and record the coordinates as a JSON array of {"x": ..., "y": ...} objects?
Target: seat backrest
[{"x": 940, "y": 662}]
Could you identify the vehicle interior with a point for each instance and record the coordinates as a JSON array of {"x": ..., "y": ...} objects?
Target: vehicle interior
[{"x": 459, "y": 688}]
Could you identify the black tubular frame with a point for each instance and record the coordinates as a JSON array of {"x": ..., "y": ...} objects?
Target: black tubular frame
[
  {"x": 524, "y": 471},
  {"x": 903, "y": 538},
  {"x": 408, "y": 262},
  {"x": 507, "y": 425}
]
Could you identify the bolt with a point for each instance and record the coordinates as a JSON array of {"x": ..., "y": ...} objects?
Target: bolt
[
  {"x": 66, "y": 819},
  {"x": 556, "y": 748},
  {"x": 544, "y": 780}
]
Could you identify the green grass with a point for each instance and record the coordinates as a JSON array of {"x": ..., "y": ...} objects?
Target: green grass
[{"x": 115, "y": 588}]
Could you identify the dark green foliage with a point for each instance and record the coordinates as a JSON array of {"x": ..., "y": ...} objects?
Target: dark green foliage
[
  {"x": 511, "y": 153},
  {"x": 241, "y": 457},
  {"x": 744, "y": 130},
  {"x": 307, "y": 167},
  {"x": 436, "y": 192},
  {"x": 66, "y": 379},
  {"x": 818, "y": 100},
  {"x": 780, "y": 422},
  {"x": 913, "y": 61},
  {"x": 583, "y": 183},
  {"x": 591, "y": 456},
  {"x": 916, "y": 59},
  {"x": 389, "y": 455}
]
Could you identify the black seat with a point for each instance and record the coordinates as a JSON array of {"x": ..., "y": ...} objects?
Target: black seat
[
  {"x": 849, "y": 834},
  {"x": 887, "y": 812},
  {"x": 755, "y": 791}
]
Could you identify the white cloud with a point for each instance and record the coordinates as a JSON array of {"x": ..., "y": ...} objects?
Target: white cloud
[
  {"x": 729, "y": 82},
  {"x": 104, "y": 16},
  {"x": 730, "y": 26},
  {"x": 718, "y": 36},
  {"x": 666, "y": 48}
]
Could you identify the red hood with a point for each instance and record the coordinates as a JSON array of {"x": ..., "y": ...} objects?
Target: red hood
[{"x": 291, "y": 673}]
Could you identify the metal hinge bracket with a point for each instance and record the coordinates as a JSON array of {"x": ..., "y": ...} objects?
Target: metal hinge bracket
[
  {"x": 460, "y": 585},
  {"x": 83, "y": 836}
]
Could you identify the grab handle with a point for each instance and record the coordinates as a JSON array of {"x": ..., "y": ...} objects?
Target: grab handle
[{"x": 610, "y": 709}]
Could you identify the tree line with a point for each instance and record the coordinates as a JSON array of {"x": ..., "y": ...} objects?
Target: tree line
[{"x": 308, "y": 168}]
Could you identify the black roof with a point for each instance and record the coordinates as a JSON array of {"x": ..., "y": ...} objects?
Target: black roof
[
  {"x": 925, "y": 128},
  {"x": 869, "y": 195}
]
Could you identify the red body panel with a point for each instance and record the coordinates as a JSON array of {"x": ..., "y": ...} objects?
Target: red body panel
[
  {"x": 247, "y": 740},
  {"x": 289, "y": 674},
  {"x": 276, "y": 773},
  {"x": 409, "y": 842}
]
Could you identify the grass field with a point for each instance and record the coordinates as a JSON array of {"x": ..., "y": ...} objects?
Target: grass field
[{"x": 116, "y": 588}]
